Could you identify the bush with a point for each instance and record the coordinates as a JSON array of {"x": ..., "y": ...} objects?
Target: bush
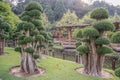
[
  {"x": 102, "y": 40},
  {"x": 104, "y": 26},
  {"x": 29, "y": 50},
  {"x": 18, "y": 49},
  {"x": 33, "y": 5},
  {"x": 36, "y": 56},
  {"x": 116, "y": 37},
  {"x": 83, "y": 49},
  {"x": 28, "y": 39},
  {"x": 90, "y": 32},
  {"x": 99, "y": 13},
  {"x": 104, "y": 50},
  {"x": 117, "y": 72}
]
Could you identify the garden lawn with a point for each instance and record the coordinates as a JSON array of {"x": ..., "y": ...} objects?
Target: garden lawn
[{"x": 56, "y": 69}]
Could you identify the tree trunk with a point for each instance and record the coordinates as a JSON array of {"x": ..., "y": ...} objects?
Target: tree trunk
[
  {"x": 92, "y": 61},
  {"x": 28, "y": 64},
  {"x": 1, "y": 46}
]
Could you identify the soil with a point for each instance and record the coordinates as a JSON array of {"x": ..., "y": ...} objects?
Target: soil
[
  {"x": 16, "y": 71},
  {"x": 104, "y": 73}
]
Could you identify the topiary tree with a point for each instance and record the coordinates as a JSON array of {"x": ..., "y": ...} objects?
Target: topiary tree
[
  {"x": 4, "y": 29},
  {"x": 94, "y": 42},
  {"x": 30, "y": 38}
]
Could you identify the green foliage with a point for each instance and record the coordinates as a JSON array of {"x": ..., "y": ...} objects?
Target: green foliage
[
  {"x": 46, "y": 22},
  {"x": 26, "y": 18},
  {"x": 50, "y": 44},
  {"x": 102, "y": 40},
  {"x": 41, "y": 46},
  {"x": 34, "y": 32},
  {"x": 28, "y": 39},
  {"x": 39, "y": 38},
  {"x": 25, "y": 26},
  {"x": 104, "y": 50},
  {"x": 34, "y": 13},
  {"x": 29, "y": 50},
  {"x": 86, "y": 18},
  {"x": 21, "y": 37},
  {"x": 90, "y": 32},
  {"x": 18, "y": 49},
  {"x": 104, "y": 26},
  {"x": 117, "y": 72},
  {"x": 33, "y": 6},
  {"x": 38, "y": 24},
  {"x": 4, "y": 29},
  {"x": 79, "y": 33},
  {"x": 78, "y": 43},
  {"x": 8, "y": 15},
  {"x": 5, "y": 26},
  {"x": 83, "y": 50},
  {"x": 3, "y": 36},
  {"x": 99, "y": 13},
  {"x": 68, "y": 18},
  {"x": 36, "y": 56},
  {"x": 116, "y": 37}
]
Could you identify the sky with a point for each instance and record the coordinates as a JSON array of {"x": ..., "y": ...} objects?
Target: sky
[{"x": 114, "y": 2}]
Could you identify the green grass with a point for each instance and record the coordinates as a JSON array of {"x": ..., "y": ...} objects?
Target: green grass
[
  {"x": 57, "y": 46},
  {"x": 56, "y": 69}
]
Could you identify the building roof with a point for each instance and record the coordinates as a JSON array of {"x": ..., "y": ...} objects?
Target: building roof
[{"x": 73, "y": 26}]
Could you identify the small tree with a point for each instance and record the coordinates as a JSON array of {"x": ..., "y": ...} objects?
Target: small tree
[
  {"x": 31, "y": 37},
  {"x": 94, "y": 48},
  {"x": 4, "y": 29}
]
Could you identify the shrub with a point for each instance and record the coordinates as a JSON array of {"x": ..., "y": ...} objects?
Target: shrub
[
  {"x": 117, "y": 72},
  {"x": 104, "y": 26},
  {"x": 104, "y": 50},
  {"x": 102, "y": 40},
  {"x": 90, "y": 32},
  {"x": 29, "y": 50},
  {"x": 99, "y": 13},
  {"x": 116, "y": 37},
  {"x": 83, "y": 49}
]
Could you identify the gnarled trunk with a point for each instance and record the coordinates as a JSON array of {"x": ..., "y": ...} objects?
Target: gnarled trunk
[
  {"x": 28, "y": 64},
  {"x": 93, "y": 62}
]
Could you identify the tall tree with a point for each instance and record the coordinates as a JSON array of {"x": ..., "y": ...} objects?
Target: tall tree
[
  {"x": 31, "y": 38},
  {"x": 4, "y": 29},
  {"x": 68, "y": 18},
  {"x": 46, "y": 22},
  {"x": 95, "y": 41}
]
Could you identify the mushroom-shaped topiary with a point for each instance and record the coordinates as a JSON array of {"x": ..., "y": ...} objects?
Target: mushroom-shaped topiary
[
  {"x": 104, "y": 26},
  {"x": 33, "y": 5},
  {"x": 83, "y": 49},
  {"x": 90, "y": 32},
  {"x": 28, "y": 39},
  {"x": 34, "y": 32},
  {"x": 117, "y": 72},
  {"x": 18, "y": 49},
  {"x": 102, "y": 40},
  {"x": 104, "y": 50},
  {"x": 99, "y": 13},
  {"x": 36, "y": 56},
  {"x": 29, "y": 50},
  {"x": 39, "y": 38},
  {"x": 116, "y": 37}
]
